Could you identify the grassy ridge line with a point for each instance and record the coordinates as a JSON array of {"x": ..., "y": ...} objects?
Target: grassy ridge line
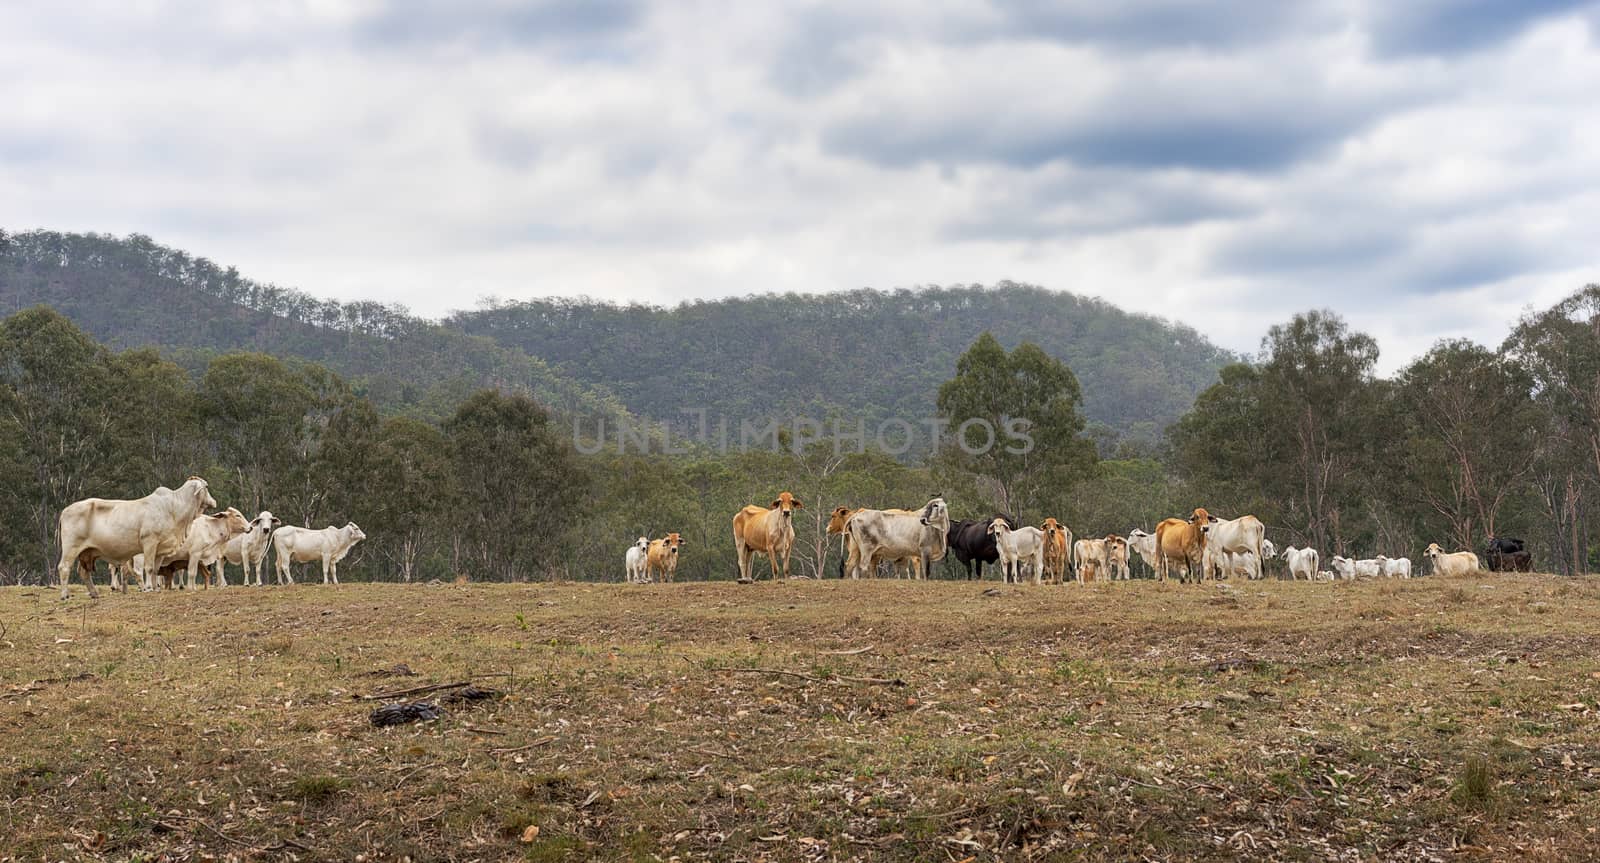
[{"x": 1391, "y": 720}]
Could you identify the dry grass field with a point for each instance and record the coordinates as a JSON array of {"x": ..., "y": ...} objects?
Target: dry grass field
[{"x": 1423, "y": 720}]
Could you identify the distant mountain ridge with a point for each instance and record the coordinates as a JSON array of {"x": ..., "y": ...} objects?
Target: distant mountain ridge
[
  {"x": 864, "y": 353},
  {"x": 868, "y": 353}
]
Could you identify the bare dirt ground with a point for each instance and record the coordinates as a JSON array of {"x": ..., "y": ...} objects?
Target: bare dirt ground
[{"x": 1425, "y": 720}]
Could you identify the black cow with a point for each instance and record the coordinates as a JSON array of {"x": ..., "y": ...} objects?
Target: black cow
[
  {"x": 971, "y": 542},
  {"x": 1507, "y": 554}
]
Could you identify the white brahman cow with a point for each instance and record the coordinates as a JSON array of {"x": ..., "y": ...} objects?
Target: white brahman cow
[
  {"x": 1025, "y": 545},
  {"x": 1451, "y": 563},
  {"x": 875, "y": 534},
  {"x": 155, "y": 525},
  {"x": 303, "y": 545}
]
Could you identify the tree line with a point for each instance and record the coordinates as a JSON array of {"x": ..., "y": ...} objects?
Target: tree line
[{"x": 1465, "y": 442}]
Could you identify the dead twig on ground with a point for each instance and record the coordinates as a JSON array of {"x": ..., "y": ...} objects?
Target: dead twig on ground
[
  {"x": 873, "y": 681},
  {"x": 415, "y": 690},
  {"x": 543, "y": 741}
]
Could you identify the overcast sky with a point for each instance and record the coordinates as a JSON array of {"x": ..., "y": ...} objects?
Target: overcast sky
[{"x": 1429, "y": 168}]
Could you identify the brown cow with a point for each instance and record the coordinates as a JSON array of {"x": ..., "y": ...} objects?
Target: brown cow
[
  {"x": 841, "y": 516},
  {"x": 1185, "y": 540},
  {"x": 1057, "y": 540},
  {"x": 766, "y": 531},
  {"x": 662, "y": 555}
]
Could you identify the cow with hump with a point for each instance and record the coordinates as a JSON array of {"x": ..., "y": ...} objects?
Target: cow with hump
[
  {"x": 303, "y": 545},
  {"x": 768, "y": 531},
  {"x": 1183, "y": 540},
  {"x": 841, "y": 516},
  {"x": 662, "y": 556},
  {"x": 973, "y": 543},
  {"x": 156, "y": 525},
  {"x": 249, "y": 549},
  {"x": 874, "y": 534}
]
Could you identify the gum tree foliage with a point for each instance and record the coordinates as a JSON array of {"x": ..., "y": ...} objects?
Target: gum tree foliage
[
  {"x": 522, "y": 488},
  {"x": 992, "y": 391}
]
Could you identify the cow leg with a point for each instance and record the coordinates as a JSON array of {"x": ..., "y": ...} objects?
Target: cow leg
[{"x": 86, "y": 568}]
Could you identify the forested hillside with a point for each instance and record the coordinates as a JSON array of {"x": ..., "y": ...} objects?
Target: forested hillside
[
  {"x": 868, "y": 353},
  {"x": 134, "y": 292}
]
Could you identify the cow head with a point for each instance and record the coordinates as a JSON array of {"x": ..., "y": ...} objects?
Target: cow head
[
  {"x": 673, "y": 541},
  {"x": 233, "y": 520},
  {"x": 936, "y": 514},
  {"x": 200, "y": 490},
  {"x": 1050, "y": 526},
  {"x": 1202, "y": 518},
  {"x": 1433, "y": 550},
  {"x": 841, "y": 514},
  {"x": 787, "y": 503},
  {"x": 266, "y": 523},
  {"x": 644, "y": 542},
  {"x": 999, "y": 527},
  {"x": 356, "y": 534},
  {"x": 1137, "y": 533}
]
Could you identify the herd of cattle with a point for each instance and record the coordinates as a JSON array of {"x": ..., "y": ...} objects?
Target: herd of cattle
[
  {"x": 1199, "y": 546},
  {"x": 168, "y": 531}
]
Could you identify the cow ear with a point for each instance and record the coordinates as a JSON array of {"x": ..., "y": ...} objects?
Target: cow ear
[
  {"x": 1214, "y": 518},
  {"x": 775, "y": 504},
  {"x": 797, "y": 503}
]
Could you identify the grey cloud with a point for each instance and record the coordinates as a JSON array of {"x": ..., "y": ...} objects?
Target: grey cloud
[
  {"x": 577, "y": 29},
  {"x": 1033, "y": 209},
  {"x": 1454, "y": 26}
]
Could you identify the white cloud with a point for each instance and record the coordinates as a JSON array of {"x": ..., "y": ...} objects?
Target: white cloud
[{"x": 1425, "y": 184}]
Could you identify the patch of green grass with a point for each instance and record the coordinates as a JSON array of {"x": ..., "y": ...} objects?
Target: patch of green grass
[
  {"x": 1474, "y": 786},
  {"x": 316, "y": 789}
]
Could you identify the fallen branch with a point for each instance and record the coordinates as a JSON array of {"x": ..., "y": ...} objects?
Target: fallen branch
[
  {"x": 476, "y": 730},
  {"x": 856, "y": 651},
  {"x": 875, "y": 681},
  {"x": 543, "y": 741},
  {"x": 415, "y": 690}
]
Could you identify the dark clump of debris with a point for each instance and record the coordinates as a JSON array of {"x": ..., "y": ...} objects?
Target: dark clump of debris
[
  {"x": 472, "y": 693},
  {"x": 400, "y": 714}
]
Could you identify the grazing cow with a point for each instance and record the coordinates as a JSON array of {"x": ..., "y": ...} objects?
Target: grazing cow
[
  {"x": 1453, "y": 563},
  {"x": 1394, "y": 567},
  {"x": 1325, "y": 575},
  {"x": 1057, "y": 540},
  {"x": 1520, "y": 561},
  {"x": 972, "y": 542},
  {"x": 1023, "y": 545},
  {"x": 1349, "y": 569},
  {"x": 303, "y": 545},
  {"x": 841, "y": 516},
  {"x": 1145, "y": 545},
  {"x": 662, "y": 556},
  {"x": 155, "y": 525},
  {"x": 1236, "y": 536},
  {"x": 1179, "y": 539},
  {"x": 633, "y": 561},
  {"x": 767, "y": 531},
  {"x": 1301, "y": 561},
  {"x": 207, "y": 543},
  {"x": 249, "y": 549},
  {"x": 872, "y": 534},
  {"x": 1091, "y": 559},
  {"x": 1117, "y": 557}
]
